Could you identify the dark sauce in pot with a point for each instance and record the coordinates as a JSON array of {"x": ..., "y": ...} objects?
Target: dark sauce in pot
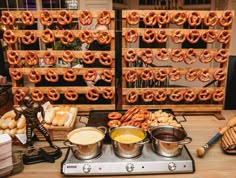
[{"x": 167, "y": 137}]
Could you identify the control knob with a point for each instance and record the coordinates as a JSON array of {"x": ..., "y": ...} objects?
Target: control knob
[
  {"x": 129, "y": 167},
  {"x": 172, "y": 166},
  {"x": 87, "y": 168}
]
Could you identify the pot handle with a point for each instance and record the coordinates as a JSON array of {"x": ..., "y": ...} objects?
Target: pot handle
[
  {"x": 104, "y": 129},
  {"x": 111, "y": 128},
  {"x": 146, "y": 140},
  {"x": 185, "y": 141},
  {"x": 67, "y": 143}
]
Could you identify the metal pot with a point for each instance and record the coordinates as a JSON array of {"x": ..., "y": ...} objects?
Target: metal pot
[
  {"x": 86, "y": 142},
  {"x": 168, "y": 141},
  {"x": 128, "y": 141}
]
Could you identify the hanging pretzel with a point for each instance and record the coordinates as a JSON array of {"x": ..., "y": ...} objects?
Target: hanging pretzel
[
  {"x": 190, "y": 56},
  {"x": 131, "y": 55},
  {"x": 16, "y": 74},
  {"x": 131, "y": 75},
  {"x": 193, "y": 36},
  {"x": 34, "y": 76},
  {"x": 133, "y": 18},
  {"x": 211, "y": 18},
  {"x": 88, "y": 57},
  {"x": 108, "y": 93},
  {"x": 71, "y": 94},
  {"x": 204, "y": 75},
  {"x": 105, "y": 59},
  {"x": 205, "y": 56},
  {"x": 176, "y": 95},
  {"x": 218, "y": 95},
  {"x": 92, "y": 94},
  {"x": 204, "y": 94},
  {"x": 194, "y": 18},
  {"x": 64, "y": 17},
  {"x": 177, "y": 55},
  {"x": 70, "y": 75},
  {"x": 174, "y": 74},
  {"x": 131, "y": 35},
  {"x": 209, "y": 36},
  {"x": 9, "y": 37},
  {"x": 224, "y": 37},
  {"x": 191, "y": 74},
  {"x": 189, "y": 95},
  {"x": 161, "y": 74},
  {"x": 19, "y": 94},
  {"x": 45, "y": 18},
  {"x": 27, "y": 18},
  {"x": 104, "y": 17},
  {"x": 104, "y": 37},
  {"x": 226, "y": 19},
  {"x": 37, "y": 95},
  {"x": 179, "y": 18},
  {"x": 161, "y": 36},
  {"x": 49, "y": 58},
  {"x": 47, "y": 36},
  {"x": 163, "y": 17},
  {"x": 132, "y": 96},
  {"x": 162, "y": 54},
  {"x": 219, "y": 74},
  {"x": 160, "y": 95},
  {"x": 68, "y": 56},
  {"x": 147, "y": 95},
  {"x": 53, "y": 94},
  {"x": 29, "y": 37},
  {"x": 67, "y": 37},
  {"x": 146, "y": 74},
  {"x": 149, "y": 35},
  {"x": 178, "y": 36},
  {"x": 221, "y": 55},
  {"x": 13, "y": 57},
  {"x": 90, "y": 75},
  {"x": 31, "y": 58},
  {"x": 51, "y": 76},
  {"x": 147, "y": 56},
  {"x": 85, "y": 17},
  {"x": 150, "y": 18},
  {"x": 106, "y": 75},
  {"x": 7, "y": 18},
  {"x": 86, "y": 36}
]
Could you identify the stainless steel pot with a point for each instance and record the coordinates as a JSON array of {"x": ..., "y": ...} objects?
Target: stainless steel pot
[
  {"x": 86, "y": 142},
  {"x": 128, "y": 141},
  {"x": 168, "y": 141}
]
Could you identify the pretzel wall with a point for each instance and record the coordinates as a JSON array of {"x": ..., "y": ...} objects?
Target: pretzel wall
[
  {"x": 149, "y": 80},
  {"x": 62, "y": 82}
]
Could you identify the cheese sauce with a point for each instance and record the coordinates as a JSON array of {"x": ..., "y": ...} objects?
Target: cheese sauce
[{"x": 127, "y": 138}]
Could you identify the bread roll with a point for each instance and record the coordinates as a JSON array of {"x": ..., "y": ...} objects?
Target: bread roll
[
  {"x": 21, "y": 123},
  {"x": 12, "y": 124},
  {"x": 11, "y": 114},
  {"x": 63, "y": 119},
  {"x": 6, "y": 131},
  {"x": 21, "y": 131},
  {"x": 5, "y": 124},
  {"x": 50, "y": 114},
  {"x": 13, "y": 132},
  {"x": 47, "y": 126},
  {"x": 64, "y": 108},
  {"x": 1, "y": 121},
  {"x": 1, "y": 131}
]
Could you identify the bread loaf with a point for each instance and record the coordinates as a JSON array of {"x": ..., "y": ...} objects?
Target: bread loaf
[{"x": 21, "y": 123}]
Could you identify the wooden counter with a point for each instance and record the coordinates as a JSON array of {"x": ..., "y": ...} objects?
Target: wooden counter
[{"x": 215, "y": 164}]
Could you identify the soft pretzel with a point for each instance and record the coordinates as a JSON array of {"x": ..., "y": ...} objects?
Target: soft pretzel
[
  {"x": 114, "y": 123},
  {"x": 86, "y": 36},
  {"x": 131, "y": 75},
  {"x": 194, "y": 18},
  {"x": 174, "y": 74},
  {"x": 178, "y": 36},
  {"x": 9, "y": 37},
  {"x": 218, "y": 95},
  {"x": 177, "y": 55},
  {"x": 45, "y": 18},
  {"x": 149, "y": 36},
  {"x": 132, "y": 96},
  {"x": 104, "y": 37},
  {"x": 90, "y": 75},
  {"x": 88, "y": 57},
  {"x": 147, "y": 95},
  {"x": 133, "y": 18},
  {"x": 67, "y": 37},
  {"x": 226, "y": 19},
  {"x": 19, "y": 94},
  {"x": 114, "y": 115},
  {"x": 146, "y": 74},
  {"x": 162, "y": 54},
  {"x": 49, "y": 58},
  {"x": 209, "y": 36},
  {"x": 163, "y": 17},
  {"x": 176, "y": 95},
  {"x": 190, "y": 56},
  {"x": 106, "y": 75},
  {"x": 71, "y": 94},
  {"x": 13, "y": 57},
  {"x": 34, "y": 76},
  {"x": 68, "y": 56},
  {"x": 105, "y": 59},
  {"x": 204, "y": 94},
  {"x": 160, "y": 74},
  {"x": 31, "y": 58},
  {"x": 64, "y": 17},
  {"x": 92, "y": 94},
  {"x": 191, "y": 74},
  {"x": 179, "y": 18},
  {"x": 47, "y": 36},
  {"x": 160, "y": 95},
  {"x": 221, "y": 55},
  {"x": 189, "y": 95},
  {"x": 131, "y": 35},
  {"x": 150, "y": 18},
  {"x": 224, "y": 37},
  {"x": 70, "y": 75},
  {"x": 7, "y": 18},
  {"x": 29, "y": 37},
  {"x": 204, "y": 75},
  {"x": 51, "y": 76},
  {"x": 27, "y": 18},
  {"x": 161, "y": 36},
  {"x": 205, "y": 56},
  {"x": 147, "y": 56},
  {"x": 108, "y": 93},
  {"x": 219, "y": 74},
  {"x": 37, "y": 95},
  {"x": 104, "y": 17},
  {"x": 131, "y": 55},
  {"x": 85, "y": 17},
  {"x": 53, "y": 94},
  {"x": 211, "y": 18},
  {"x": 193, "y": 36},
  {"x": 16, "y": 74}
]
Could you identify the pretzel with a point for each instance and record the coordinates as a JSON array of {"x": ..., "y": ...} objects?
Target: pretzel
[
  {"x": 37, "y": 95},
  {"x": 53, "y": 94},
  {"x": 68, "y": 56},
  {"x": 190, "y": 56},
  {"x": 45, "y": 18},
  {"x": 114, "y": 115},
  {"x": 224, "y": 37},
  {"x": 114, "y": 123},
  {"x": 162, "y": 54},
  {"x": 160, "y": 74},
  {"x": 67, "y": 37},
  {"x": 209, "y": 36},
  {"x": 85, "y": 17},
  {"x": 105, "y": 59},
  {"x": 145, "y": 126},
  {"x": 147, "y": 56},
  {"x": 64, "y": 17},
  {"x": 13, "y": 57},
  {"x": 219, "y": 74},
  {"x": 174, "y": 74},
  {"x": 160, "y": 95},
  {"x": 189, "y": 95},
  {"x": 88, "y": 57},
  {"x": 104, "y": 17},
  {"x": 16, "y": 74},
  {"x": 218, "y": 95},
  {"x": 29, "y": 37},
  {"x": 204, "y": 94},
  {"x": 204, "y": 75},
  {"x": 191, "y": 74},
  {"x": 31, "y": 58},
  {"x": 163, "y": 17},
  {"x": 146, "y": 74},
  {"x": 194, "y": 18},
  {"x": 147, "y": 95},
  {"x": 177, "y": 55},
  {"x": 150, "y": 18},
  {"x": 27, "y": 18},
  {"x": 161, "y": 36},
  {"x": 131, "y": 55},
  {"x": 129, "y": 114},
  {"x": 133, "y": 18},
  {"x": 226, "y": 19},
  {"x": 19, "y": 94},
  {"x": 221, "y": 55},
  {"x": 149, "y": 35},
  {"x": 131, "y": 75},
  {"x": 178, "y": 36},
  {"x": 90, "y": 75},
  {"x": 104, "y": 37},
  {"x": 7, "y": 18},
  {"x": 108, "y": 93},
  {"x": 211, "y": 18},
  {"x": 47, "y": 36},
  {"x": 205, "y": 56},
  {"x": 51, "y": 76},
  {"x": 179, "y": 18},
  {"x": 34, "y": 76},
  {"x": 86, "y": 36},
  {"x": 193, "y": 36},
  {"x": 106, "y": 75},
  {"x": 49, "y": 58},
  {"x": 132, "y": 96},
  {"x": 176, "y": 95},
  {"x": 70, "y": 75},
  {"x": 92, "y": 94},
  {"x": 9, "y": 37},
  {"x": 131, "y": 35},
  {"x": 71, "y": 94}
]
